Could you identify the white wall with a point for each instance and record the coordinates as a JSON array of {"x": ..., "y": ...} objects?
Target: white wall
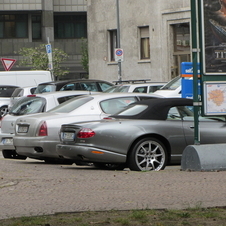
[{"x": 158, "y": 15}]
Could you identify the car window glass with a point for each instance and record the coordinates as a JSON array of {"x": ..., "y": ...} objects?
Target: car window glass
[
  {"x": 28, "y": 105},
  {"x": 117, "y": 89},
  {"x": 152, "y": 89},
  {"x": 66, "y": 98},
  {"x": 70, "y": 86},
  {"x": 173, "y": 114},
  {"x": 112, "y": 106},
  {"x": 133, "y": 110},
  {"x": 104, "y": 86},
  {"x": 32, "y": 90},
  {"x": 18, "y": 92},
  {"x": 45, "y": 88},
  {"x": 90, "y": 86},
  {"x": 6, "y": 91},
  {"x": 173, "y": 84},
  {"x": 142, "y": 89},
  {"x": 71, "y": 105}
]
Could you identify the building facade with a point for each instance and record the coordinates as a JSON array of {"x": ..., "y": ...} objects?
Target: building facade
[
  {"x": 154, "y": 37},
  {"x": 25, "y": 23}
]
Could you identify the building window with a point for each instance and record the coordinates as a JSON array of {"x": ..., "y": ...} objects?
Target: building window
[
  {"x": 181, "y": 37},
  {"x": 181, "y": 47},
  {"x": 112, "y": 43},
  {"x": 36, "y": 26},
  {"x": 70, "y": 26},
  {"x": 144, "y": 43},
  {"x": 13, "y": 26}
]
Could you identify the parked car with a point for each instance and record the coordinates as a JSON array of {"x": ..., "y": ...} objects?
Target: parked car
[
  {"x": 5, "y": 94},
  {"x": 36, "y": 136},
  {"x": 28, "y": 105},
  {"x": 147, "y": 135},
  {"x": 135, "y": 86},
  {"x": 171, "y": 89},
  {"x": 78, "y": 84},
  {"x": 20, "y": 92}
]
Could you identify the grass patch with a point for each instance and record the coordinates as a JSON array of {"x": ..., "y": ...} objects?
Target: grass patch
[{"x": 187, "y": 217}]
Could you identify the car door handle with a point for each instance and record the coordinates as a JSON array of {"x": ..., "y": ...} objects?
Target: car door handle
[{"x": 192, "y": 127}]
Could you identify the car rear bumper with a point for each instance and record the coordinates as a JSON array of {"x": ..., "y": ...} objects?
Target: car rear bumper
[
  {"x": 4, "y": 141},
  {"x": 89, "y": 154},
  {"x": 38, "y": 148}
]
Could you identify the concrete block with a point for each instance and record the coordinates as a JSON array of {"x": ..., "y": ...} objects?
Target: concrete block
[{"x": 206, "y": 157}]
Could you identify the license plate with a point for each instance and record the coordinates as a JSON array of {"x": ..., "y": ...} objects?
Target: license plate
[
  {"x": 7, "y": 141},
  {"x": 68, "y": 136},
  {"x": 22, "y": 129}
]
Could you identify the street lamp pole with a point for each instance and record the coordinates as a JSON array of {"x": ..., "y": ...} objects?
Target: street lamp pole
[{"x": 118, "y": 42}]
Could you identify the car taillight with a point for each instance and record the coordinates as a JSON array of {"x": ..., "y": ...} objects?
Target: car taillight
[
  {"x": 1, "y": 121},
  {"x": 85, "y": 133},
  {"x": 107, "y": 118},
  {"x": 43, "y": 130}
]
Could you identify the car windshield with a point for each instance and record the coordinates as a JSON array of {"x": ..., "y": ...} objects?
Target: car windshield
[
  {"x": 133, "y": 110},
  {"x": 115, "y": 89},
  {"x": 28, "y": 105},
  {"x": 6, "y": 91},
  {"x": 173, "y": 84},
  {"x": 71, "y": 105},
  {"x": 45, "y": 88}
]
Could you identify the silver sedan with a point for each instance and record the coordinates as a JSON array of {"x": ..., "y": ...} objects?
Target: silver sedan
[
  {"x": 37, "y": 136},
  {"x": 27, "y": 105},
  {"x": 147, "y": 135}
]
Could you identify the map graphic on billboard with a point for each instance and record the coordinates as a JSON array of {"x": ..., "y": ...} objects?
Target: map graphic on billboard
[
  {"x": 215, "y": 101},
  {"x": 214, "y": 36}
]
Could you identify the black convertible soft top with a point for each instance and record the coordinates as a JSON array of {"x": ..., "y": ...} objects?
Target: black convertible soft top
[{"x": 157, "y": 108}]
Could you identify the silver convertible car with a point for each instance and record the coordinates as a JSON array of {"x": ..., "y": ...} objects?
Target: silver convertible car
[
  {"x": 36, "y": 136},
  {"x": 147, "y": 135}
]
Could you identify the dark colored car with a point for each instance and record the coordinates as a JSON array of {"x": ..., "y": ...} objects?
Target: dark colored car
[{"x": 78, "y": 84}]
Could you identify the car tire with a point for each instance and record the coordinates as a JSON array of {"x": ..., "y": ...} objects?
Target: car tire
[
  {"x": 3, "y": 110},
  {"x": 11, "y": 154},
  {"x": 109, "y": 166},
  {"x": 148, "y": 154},
  {"x": 58, "y": 161}
]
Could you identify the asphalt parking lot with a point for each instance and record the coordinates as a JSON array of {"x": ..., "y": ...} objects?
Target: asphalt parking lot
[{"x": 30, "y": 187}]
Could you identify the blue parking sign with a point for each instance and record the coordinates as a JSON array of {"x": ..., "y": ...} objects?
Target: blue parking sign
[{"x": 48, "y": 48}]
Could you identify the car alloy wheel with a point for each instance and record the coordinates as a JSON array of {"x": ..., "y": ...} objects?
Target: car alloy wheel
[
  {"x": 148, "y": 154},
  {"x": 3, "y": 110}
]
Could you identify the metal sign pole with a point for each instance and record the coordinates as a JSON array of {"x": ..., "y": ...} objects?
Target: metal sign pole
[
  {"x": 195, "y": 51},
  {"x": 118, "y": 43}
]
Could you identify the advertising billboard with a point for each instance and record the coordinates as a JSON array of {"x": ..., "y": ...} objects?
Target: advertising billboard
[{"x": 214, "y": 37}]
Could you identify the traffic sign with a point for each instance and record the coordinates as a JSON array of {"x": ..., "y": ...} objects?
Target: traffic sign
[
  {"x": 8, "y": 63},
  {"x": 118, "y": 54},
  {"x": 48, "y": 48},
  {"x": 50, "y": 57}
]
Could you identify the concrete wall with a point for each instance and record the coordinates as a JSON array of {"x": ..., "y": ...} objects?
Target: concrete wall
[
  {"x": 72, "y": 47},
  {"x": 158, "y": 15}
]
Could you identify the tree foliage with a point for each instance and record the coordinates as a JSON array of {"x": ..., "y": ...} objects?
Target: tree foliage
[
  {"x": 37, "y": 59},
  {"x": 85, "y": 55}
]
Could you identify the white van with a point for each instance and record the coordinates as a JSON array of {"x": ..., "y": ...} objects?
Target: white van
[
  {"x": 24, "y": 78},
  {"x": 171, "y": 89},
  {"x": 15, "y": 79}
]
